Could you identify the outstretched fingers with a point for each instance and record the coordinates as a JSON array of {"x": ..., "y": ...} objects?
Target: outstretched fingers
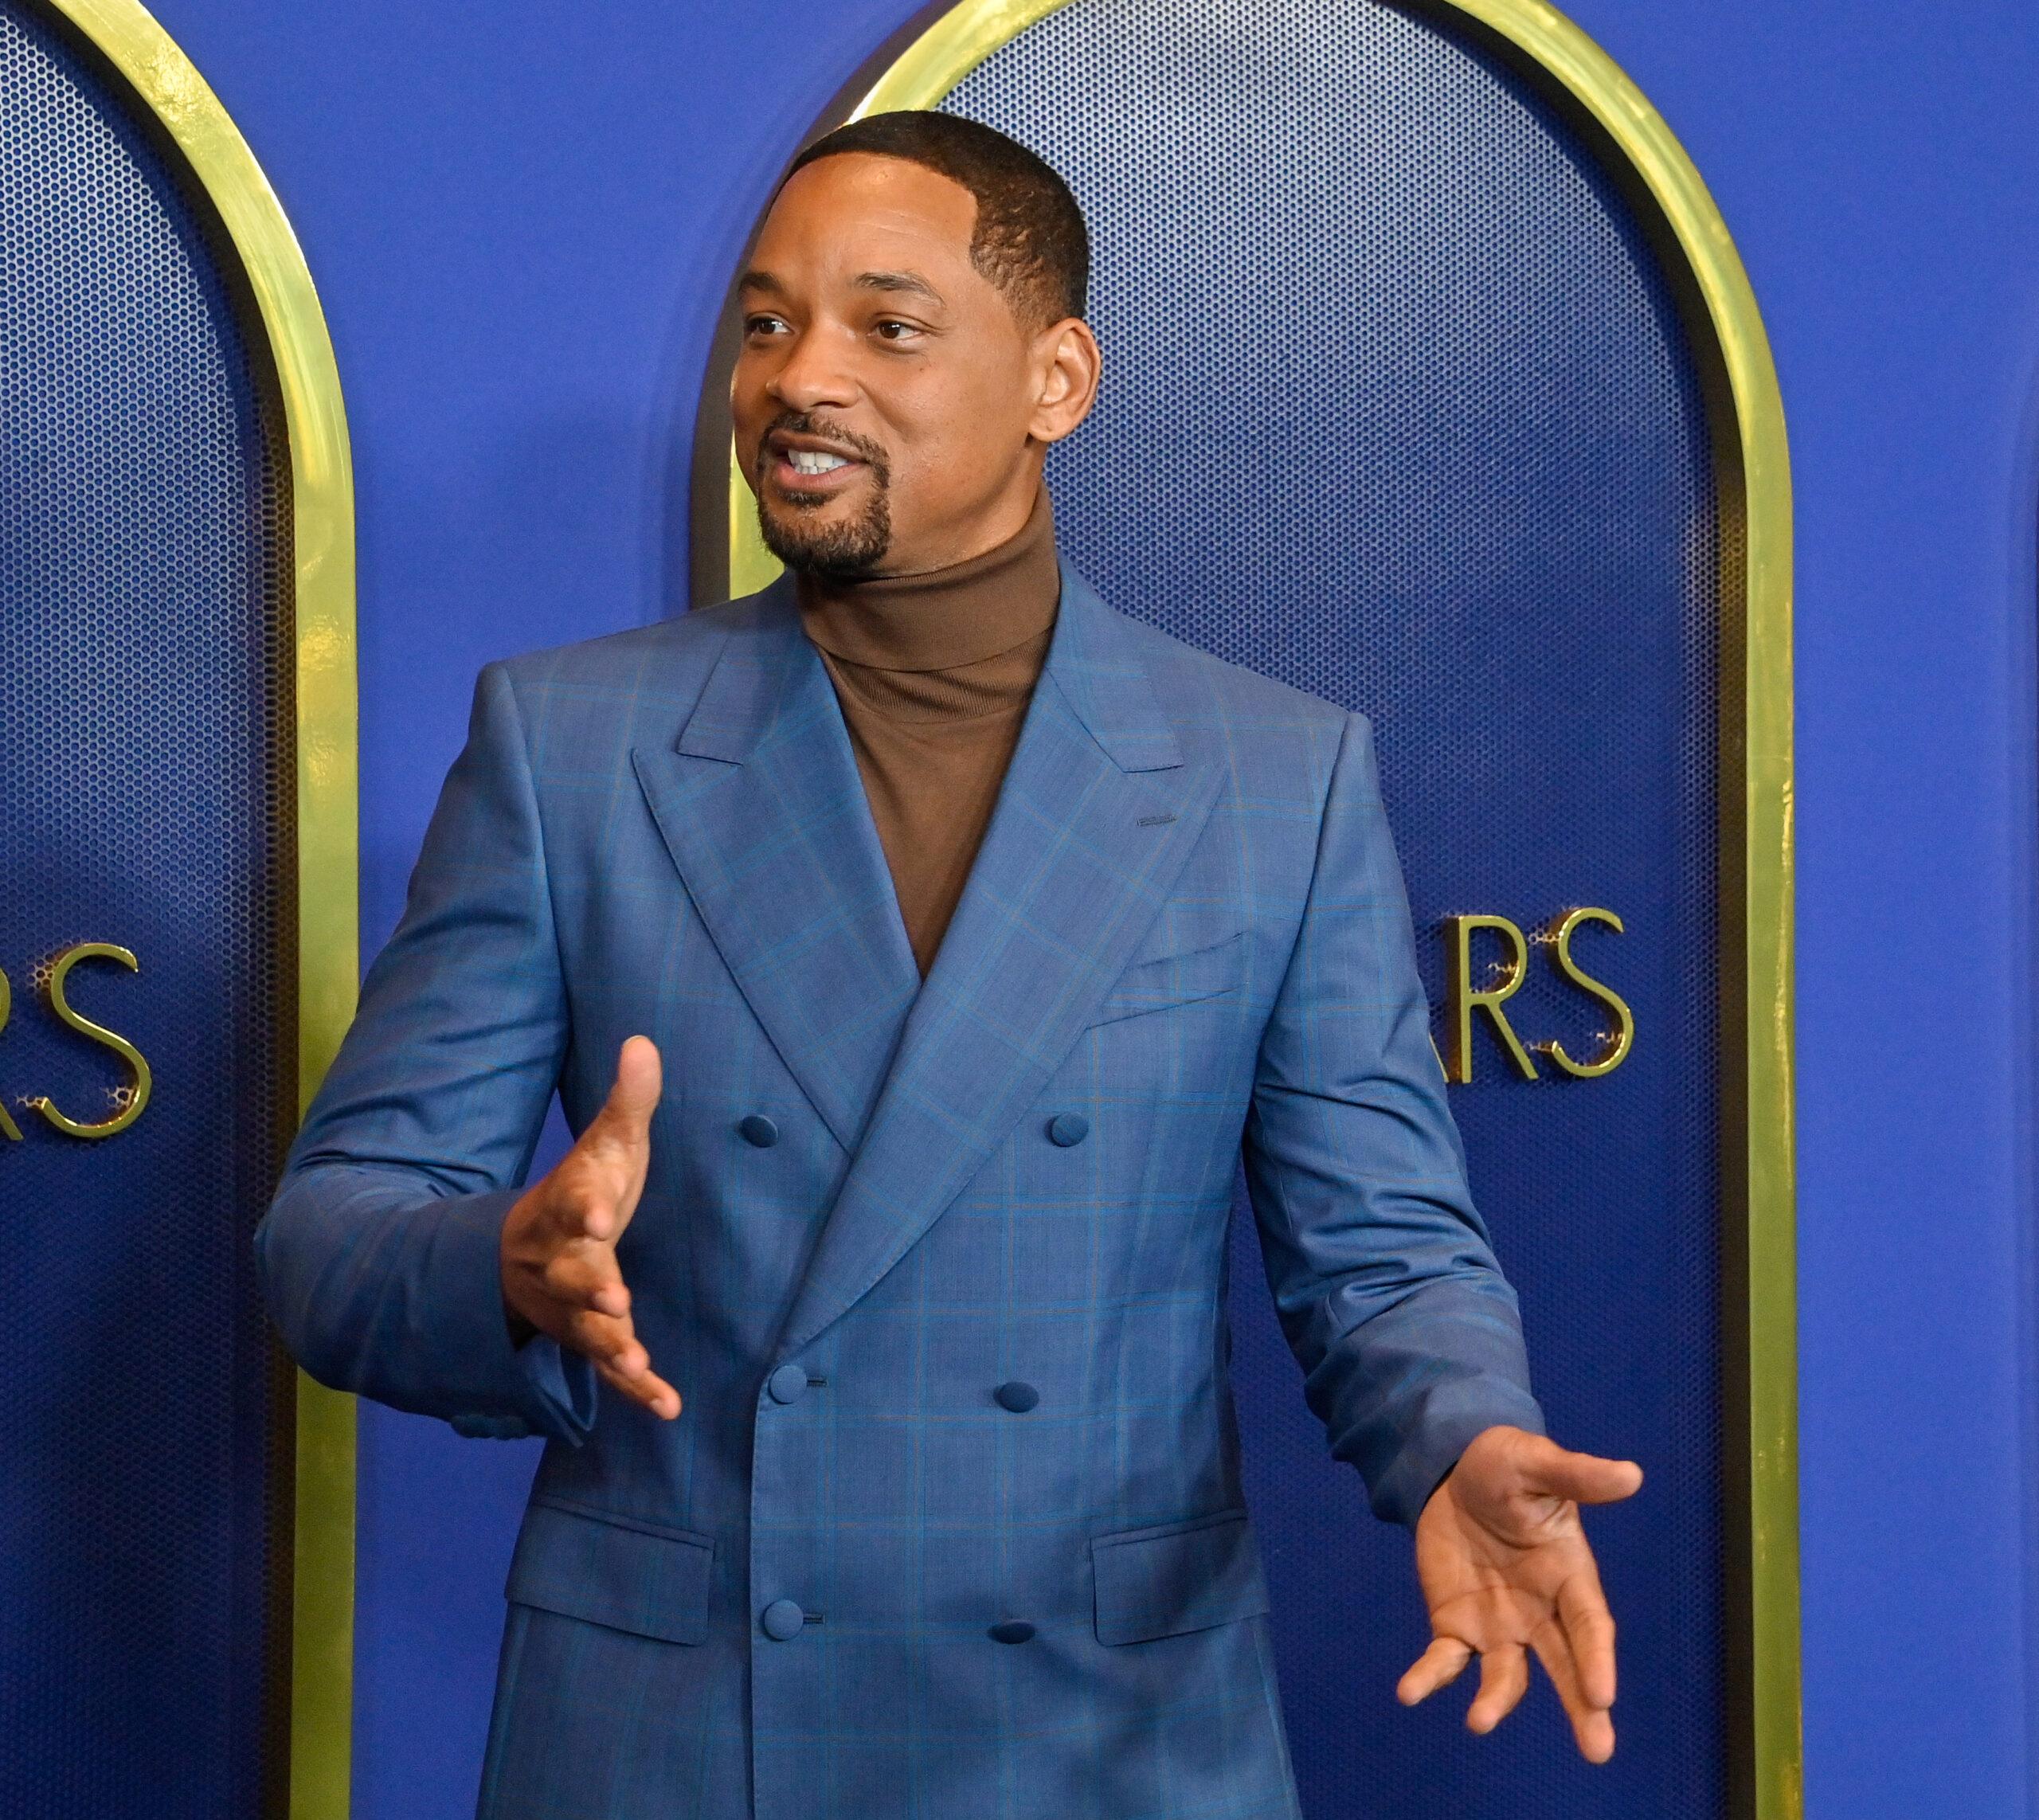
[
  {"x": 1589, "y": 1629},
  {"x": 1504, "y": 1680},
  {"x": 613, "y": 1347},
  {"x": 1438, "y": 1666},
  {"x": 644, "y": 1387},
  {"x": 1591, "y": 1725}
]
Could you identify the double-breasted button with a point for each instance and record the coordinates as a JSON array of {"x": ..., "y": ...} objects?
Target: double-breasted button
[
  {"x": 758, "y": 1129},
  {"x": 787, "y": 1384},
  {"x": 1012, "y": 1630},
  {"x": 784, "y": 1620},
  {"x": 1016, "y": 1396},
  {"x": 1068, "y": 1127}
]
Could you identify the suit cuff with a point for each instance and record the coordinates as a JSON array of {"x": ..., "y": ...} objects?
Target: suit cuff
[
  {"x": 1455, "y": 1415},
  {"x": 533, "y": 1389}
]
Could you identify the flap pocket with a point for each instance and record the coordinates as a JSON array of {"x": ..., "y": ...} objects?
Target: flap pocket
[
  {"x": 1177, "y": 1577},
  {"x": 1173, "y": 980},
  {"x": 617, "y": 1570}
]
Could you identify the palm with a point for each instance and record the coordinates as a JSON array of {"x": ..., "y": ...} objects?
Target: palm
[{"x": 1505, "y": 1570}]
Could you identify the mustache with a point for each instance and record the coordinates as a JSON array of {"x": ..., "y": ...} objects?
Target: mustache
[{"x": 805, "y": 423}]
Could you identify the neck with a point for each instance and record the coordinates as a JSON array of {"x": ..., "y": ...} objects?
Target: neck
[{"x": 942, "y": 617}]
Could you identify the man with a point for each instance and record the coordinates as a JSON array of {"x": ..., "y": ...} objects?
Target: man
[{"x": 975, "y": 928}]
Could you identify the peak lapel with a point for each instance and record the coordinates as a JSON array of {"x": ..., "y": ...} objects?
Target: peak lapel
[
  {"x": 763, "y": 812},
  {"x": 1098, "y": 812}
]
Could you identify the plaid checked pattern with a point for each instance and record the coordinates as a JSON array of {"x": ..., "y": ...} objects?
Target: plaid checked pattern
[{"x": 870, "y": 1585}]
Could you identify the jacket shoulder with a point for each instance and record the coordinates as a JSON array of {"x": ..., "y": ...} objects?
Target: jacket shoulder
[
  {"x": 581, "y": 704},
  {"x": 1275, "y": 737},
  {"x": 1227, "y": 686}
]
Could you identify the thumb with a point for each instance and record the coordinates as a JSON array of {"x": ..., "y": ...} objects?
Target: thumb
[
  {"x": 625, "y": 1119},
  {"x": 1584, "y": 1478}
]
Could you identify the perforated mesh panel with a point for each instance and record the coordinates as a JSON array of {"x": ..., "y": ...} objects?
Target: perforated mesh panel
[
  {"x": 1396, "y": 408},
  {"x": 144, "y": 626}
]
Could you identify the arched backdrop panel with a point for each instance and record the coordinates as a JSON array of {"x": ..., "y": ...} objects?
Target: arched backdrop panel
[
  {"x": 144, "y": 634},
  {"x": 1399, "y": 411},
  {"x": 1403, "y": 405},
  {"x": 176, "y": 782}
]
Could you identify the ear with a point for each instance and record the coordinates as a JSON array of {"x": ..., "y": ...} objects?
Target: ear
[{"x": 1065, "y": 363}]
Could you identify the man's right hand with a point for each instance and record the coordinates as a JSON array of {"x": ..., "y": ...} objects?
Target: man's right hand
[{"x": 559, "y": 1270}]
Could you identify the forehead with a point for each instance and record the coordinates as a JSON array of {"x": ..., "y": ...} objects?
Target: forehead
[{"x": 858, "y": 209}]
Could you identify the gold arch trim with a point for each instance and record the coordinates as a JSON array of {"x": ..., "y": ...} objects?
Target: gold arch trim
[
  {"x": 292, "y": 331},
  {"x": 1752, "y": 454}
]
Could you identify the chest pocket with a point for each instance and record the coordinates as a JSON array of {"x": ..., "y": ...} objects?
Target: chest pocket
[{"x": 1170, "y": 979}]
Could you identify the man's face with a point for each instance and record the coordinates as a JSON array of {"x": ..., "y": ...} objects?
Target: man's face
[{"x": 891, "y": 411}]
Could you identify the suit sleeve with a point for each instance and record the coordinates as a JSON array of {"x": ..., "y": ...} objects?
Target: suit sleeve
[
  {"x": 1387, "y": 1285},
  {"x": 378, "y": 1257}
]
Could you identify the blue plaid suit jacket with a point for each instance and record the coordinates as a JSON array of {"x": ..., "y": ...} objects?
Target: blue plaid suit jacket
[{"x": 951, "y": 1524}]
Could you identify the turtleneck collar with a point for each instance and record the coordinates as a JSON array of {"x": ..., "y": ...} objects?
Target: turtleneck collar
[{"x": 946, "y": 617}]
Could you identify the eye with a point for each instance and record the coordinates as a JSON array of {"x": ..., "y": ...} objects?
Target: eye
[
  {"x": 761, "y": 324},
  {"x": 891, "y": 329}
]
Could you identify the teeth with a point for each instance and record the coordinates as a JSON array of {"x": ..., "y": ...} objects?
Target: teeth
[{"x": 809, "y": 461}]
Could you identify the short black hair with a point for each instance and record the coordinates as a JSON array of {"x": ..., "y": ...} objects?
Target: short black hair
[{"x": 1030, "y": 240}]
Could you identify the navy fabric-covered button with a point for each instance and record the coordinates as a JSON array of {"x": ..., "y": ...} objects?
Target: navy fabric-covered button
[
  {"x": 1016, "y": 1396},
  {"x": 1012, "y": 1630},
  {"x": 759, "y": 1130},
  {"x": 787, "y": 1384},
  {"x": 784, "y": 1620},
  {"x": 1068, "y": 1127}
]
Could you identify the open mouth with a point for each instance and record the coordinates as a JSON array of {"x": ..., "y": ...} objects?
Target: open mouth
[{"x": 809, "y": 466}]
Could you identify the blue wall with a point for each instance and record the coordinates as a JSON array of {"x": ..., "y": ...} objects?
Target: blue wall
[{"x": 520, "y": 215}]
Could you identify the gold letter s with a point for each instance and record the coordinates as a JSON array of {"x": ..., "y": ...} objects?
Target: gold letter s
[
  {"x": 1617, "y": 1045},
  {"x": 130, "y": 1099}
]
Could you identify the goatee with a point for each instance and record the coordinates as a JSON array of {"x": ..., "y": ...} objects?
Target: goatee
[{"x": 840, "y": 551}]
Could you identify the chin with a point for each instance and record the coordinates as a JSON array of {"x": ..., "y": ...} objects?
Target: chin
[{"x": 835, "y": 537}]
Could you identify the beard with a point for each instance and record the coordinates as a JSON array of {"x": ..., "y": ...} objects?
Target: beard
[{"x": 792, "y": 527}]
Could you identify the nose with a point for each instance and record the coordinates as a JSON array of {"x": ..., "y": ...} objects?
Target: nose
[{"x": 815, "y": 373}]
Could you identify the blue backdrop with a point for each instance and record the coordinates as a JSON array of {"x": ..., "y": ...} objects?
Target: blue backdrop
[{"x": 519, "y": 217}]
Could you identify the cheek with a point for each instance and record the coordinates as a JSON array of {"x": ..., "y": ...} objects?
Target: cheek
[{"x": 955, "y": 436}]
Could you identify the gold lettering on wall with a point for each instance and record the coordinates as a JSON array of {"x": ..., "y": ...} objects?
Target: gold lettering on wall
[
  {"x": 1505, "y": 979},
  {"x": 1616, "y": 1043},
  {"x": 128, "y": 1101}
]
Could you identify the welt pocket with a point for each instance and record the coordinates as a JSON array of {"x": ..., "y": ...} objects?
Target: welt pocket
[
  {"x": 1174, "y": 1578},
  {"x": 1169, "y": 979},
  {"x": 621, "y": 1571}
]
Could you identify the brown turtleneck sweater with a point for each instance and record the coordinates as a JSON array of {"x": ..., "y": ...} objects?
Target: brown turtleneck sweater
[{"x": 933, "y": 673}]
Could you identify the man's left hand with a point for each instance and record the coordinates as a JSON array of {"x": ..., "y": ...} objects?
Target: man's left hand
[{"x": 1505, "y": 1567}]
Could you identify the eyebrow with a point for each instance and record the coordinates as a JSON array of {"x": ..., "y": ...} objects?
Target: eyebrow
[{"x": 911, "y": 282}]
